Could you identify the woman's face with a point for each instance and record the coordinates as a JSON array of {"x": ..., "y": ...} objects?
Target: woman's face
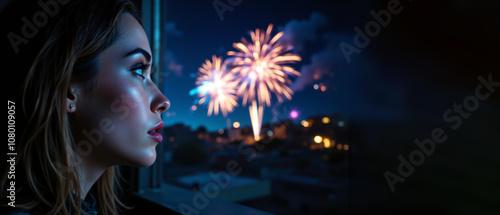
[{"x": 118, "y": 123}]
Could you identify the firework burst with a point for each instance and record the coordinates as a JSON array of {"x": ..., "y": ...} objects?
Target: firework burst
[
  {"x": 261, "y": 67},
  {"x": 216, "y": 86}
]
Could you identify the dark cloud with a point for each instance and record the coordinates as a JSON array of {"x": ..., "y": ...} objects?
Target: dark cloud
[
  {"x": 172, "y": 64},
  {"x": 323, "y": 62},
  {"x": 171, "y": 29},
  {"x": 357, "y": 89},
  {"x": 299, "y": 31}
]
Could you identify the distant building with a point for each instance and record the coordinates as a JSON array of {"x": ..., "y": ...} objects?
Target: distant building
[
  {"x": 297, "y": 167},
  {"x": 230, "y": 188}
]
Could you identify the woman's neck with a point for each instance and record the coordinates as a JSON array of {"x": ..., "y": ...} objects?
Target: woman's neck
[{"x": 89, "y": 173}]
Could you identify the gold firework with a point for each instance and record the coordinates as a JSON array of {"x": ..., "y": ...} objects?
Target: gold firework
[
  {"x": 216, "y": 86},
  {"x": 260, "y": 67}
]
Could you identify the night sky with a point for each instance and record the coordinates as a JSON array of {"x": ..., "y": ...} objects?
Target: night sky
[
  {"x": 425, "y": 59},
  {"x": 419, "y": 58},
  {"x": 195, "y": 32}
]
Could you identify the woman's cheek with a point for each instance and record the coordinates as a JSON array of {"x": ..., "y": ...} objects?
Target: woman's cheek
[
  {"x": 129, "y": 141},
  {"x": 124, "y": 105},
  {"x": 127, "y": 146}
]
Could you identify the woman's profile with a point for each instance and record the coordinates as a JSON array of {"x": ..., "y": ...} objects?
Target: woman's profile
[{"x": 90, "y": 104}]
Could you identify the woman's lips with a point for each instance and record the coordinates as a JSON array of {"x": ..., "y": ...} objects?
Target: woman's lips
[{"x": 154, "y": 132}]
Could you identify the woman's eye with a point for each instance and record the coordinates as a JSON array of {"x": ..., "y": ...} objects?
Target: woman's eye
[{"x": 140, "y": 70}]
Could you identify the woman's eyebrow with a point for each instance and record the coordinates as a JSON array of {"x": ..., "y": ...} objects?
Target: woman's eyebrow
[{"x": 140, "y": 51}]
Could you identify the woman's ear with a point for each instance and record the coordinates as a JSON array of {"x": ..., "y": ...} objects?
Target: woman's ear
[{"x": 72, "y": 97}]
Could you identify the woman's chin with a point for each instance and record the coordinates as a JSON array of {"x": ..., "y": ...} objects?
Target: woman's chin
[{"x": 144, "y": 161}]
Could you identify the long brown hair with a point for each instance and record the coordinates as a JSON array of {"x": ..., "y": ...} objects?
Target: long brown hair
[{"x": 48, "y": 153}]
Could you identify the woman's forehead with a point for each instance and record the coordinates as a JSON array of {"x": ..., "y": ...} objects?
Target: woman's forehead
[{"x": 131, "y": 34}]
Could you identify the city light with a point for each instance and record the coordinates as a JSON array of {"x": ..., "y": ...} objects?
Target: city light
[
  {"x": 325, "y": 120},
  {"x": 326, "y": 142},
  {"x": 341, "y": 123},
  {"x": 294, "y": 114},
  {"x": 318, "y": 139},
  {"x": 236, "y": 124},
  {"x": 270, "y": 133},
  {"x": 346, "y": 147},
  {"x": 221, "y": 131},
  {"x": 305, "y": 123}
]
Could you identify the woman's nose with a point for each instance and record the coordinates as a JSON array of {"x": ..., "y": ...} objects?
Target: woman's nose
[{"x": 159, "y": 102}]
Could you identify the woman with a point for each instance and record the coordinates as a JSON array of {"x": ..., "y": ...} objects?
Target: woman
[{"x": 91, "y": 105}]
